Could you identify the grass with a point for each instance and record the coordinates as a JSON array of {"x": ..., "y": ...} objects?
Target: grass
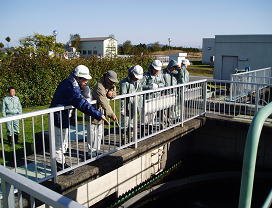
[
  {"x": 200, "y": 70},
  {"x": 29, "y": 125}
]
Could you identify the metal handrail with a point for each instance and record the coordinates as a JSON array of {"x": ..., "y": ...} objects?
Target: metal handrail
[
  {"x": 189, "y": 103},
  {"x": 11, "y": 180},
  {"x": 249, "y": 72},
  {"x": 250, "y": 155}
]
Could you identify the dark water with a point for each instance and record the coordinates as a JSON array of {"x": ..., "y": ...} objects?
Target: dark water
[{"x": 212, "y": 182}]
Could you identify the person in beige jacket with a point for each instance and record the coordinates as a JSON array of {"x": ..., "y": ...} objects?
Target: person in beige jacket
[{"x": 105, "y": 89}]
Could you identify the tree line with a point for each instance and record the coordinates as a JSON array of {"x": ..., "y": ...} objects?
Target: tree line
[{"x": 127, "y": 48}]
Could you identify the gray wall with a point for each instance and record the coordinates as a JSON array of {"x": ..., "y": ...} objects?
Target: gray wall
[
  {"x": 208, "y": 50},
  {"x": 251, "y": 50}
]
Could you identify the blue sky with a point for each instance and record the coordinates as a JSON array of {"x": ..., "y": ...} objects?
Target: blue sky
[{"x": 141, "y": 21}]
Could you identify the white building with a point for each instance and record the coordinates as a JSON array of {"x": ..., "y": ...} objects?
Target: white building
[
  {"x": 208, "y": 50},
  {"x": 99, "y": 46},
  {"x": 239, "y": 52}
]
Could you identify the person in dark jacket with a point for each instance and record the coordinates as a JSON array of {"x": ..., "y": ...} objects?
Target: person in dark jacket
[{"x": 69, "y": 93}]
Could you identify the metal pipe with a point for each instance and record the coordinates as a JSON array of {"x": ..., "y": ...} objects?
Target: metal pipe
[{"x": 250, "y": 154}]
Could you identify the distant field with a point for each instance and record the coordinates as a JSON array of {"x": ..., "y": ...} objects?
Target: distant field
[
  {"x": 204, "y": 70},
  {"x": 195, "y": 55}
]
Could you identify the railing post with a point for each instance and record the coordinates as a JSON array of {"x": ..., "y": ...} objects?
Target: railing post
[
  {"x": 257, "y": 99},
  {"x": 205, "y": 95},
  {"x": 51, "y": 131},
  {"x": 135, "y": 128},
  {"x": 8, "y": 194},
  {"x": 182, "y": 106}
]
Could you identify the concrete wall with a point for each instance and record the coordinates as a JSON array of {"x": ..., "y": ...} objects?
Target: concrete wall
[
  {"x": 250, "y": 50},
  {"x": 120, "y": 180},
  {"x": 219, "y": 138},
  {"x": 225, "y": 138},
  {"x": 91, "y": 46},
  {"x": 208, "y": 50}
]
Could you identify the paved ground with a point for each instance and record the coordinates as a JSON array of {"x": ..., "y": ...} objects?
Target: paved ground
[{"x": 194, "y": 78}]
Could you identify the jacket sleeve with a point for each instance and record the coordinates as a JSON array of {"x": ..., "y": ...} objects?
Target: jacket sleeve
[
  {"x": 4, "y": 108},
  {"x": 102, "y": 99},
  {"x": 186, "y": 76},
  {"x": 180, "y": 76},
  {"x": 145, "y": 83},
  {"x": 162, "y": 81},
  {"x": 123, "y": 90},
  {"x": 79, "y": 102}
]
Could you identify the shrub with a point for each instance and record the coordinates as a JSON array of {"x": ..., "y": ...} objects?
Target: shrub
[{"x": 36, "y": 78}]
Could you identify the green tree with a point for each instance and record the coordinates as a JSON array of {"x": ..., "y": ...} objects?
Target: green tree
[
  {"x": 127, "y": 47},
  {"x": 75, "y": 41},
  {"x": 42, "y": 44},
  {"x": 156, "y": 46}
]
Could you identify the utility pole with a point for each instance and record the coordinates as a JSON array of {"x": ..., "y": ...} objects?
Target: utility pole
[
  {"x": 169, "y": 40},
  {"x": 55, "y": 32}
]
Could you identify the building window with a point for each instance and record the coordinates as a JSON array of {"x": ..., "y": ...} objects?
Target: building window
[
  {"x": 89, "y": 52},
  {"x": 209, "y": 48},
  {"x": 95, "y": 52},
  {"x": 84, "y": 52}
]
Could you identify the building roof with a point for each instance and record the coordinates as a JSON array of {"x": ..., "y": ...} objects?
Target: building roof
[{"x": 95, "y": 39}]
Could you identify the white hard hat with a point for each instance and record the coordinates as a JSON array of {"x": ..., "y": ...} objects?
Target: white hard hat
[
  {"x": 82, "y": 71},
  {"x": 157, "y": 64},
  {"x": 137, "y": 71}
]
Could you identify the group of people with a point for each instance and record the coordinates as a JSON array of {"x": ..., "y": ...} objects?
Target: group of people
[{"x": 75, "y": 91}]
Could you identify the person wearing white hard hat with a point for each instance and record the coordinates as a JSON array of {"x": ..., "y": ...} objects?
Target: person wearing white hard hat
[
  {"x": 153, "y": 78},
  {"x": 69, "y": 93},
  {"x": 184, "y": 75},
  {"x": 131, "y": 84}
]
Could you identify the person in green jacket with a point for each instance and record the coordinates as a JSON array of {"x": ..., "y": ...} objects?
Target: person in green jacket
[
  {"x": 153, "y": 79},
  {"x": 172, "y": 74},
  {"x": 131, "y": 84},
  {"x": 184, "y": 76},
  {"x": 12, "y": 106}
]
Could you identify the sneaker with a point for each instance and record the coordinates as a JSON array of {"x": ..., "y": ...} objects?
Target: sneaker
[{"x": 59, "y": 168}]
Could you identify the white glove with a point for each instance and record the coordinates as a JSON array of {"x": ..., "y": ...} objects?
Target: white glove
[{"x": 155, "y": 86}]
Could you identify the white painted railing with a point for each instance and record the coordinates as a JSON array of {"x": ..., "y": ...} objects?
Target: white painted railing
[
  {"x": 259, "y": 76},
  {"x": 157, "y": 111},
  {"x": 15, "y": 187},
  {"x": 245, "y": 104},
  {"x": 35, "y": 156}
]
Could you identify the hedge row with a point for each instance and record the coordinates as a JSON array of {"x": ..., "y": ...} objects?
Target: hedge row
[{"x": 36, "y": 78}]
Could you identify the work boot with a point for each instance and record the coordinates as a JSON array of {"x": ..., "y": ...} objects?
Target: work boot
[
  {"x": 59, "y": 168},
  {"x": 9, "y": 140}
]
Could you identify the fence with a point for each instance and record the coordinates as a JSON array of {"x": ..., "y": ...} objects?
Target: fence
[
  {"x": 220, "y": 99},
  {"x": 140, "y": 116},
  {"x": 19, "y": 191},
  {"x": 259, "y": 76}
]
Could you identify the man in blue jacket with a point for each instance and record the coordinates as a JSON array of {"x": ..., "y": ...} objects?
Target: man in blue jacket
[{"x": 69, "y": 93}]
